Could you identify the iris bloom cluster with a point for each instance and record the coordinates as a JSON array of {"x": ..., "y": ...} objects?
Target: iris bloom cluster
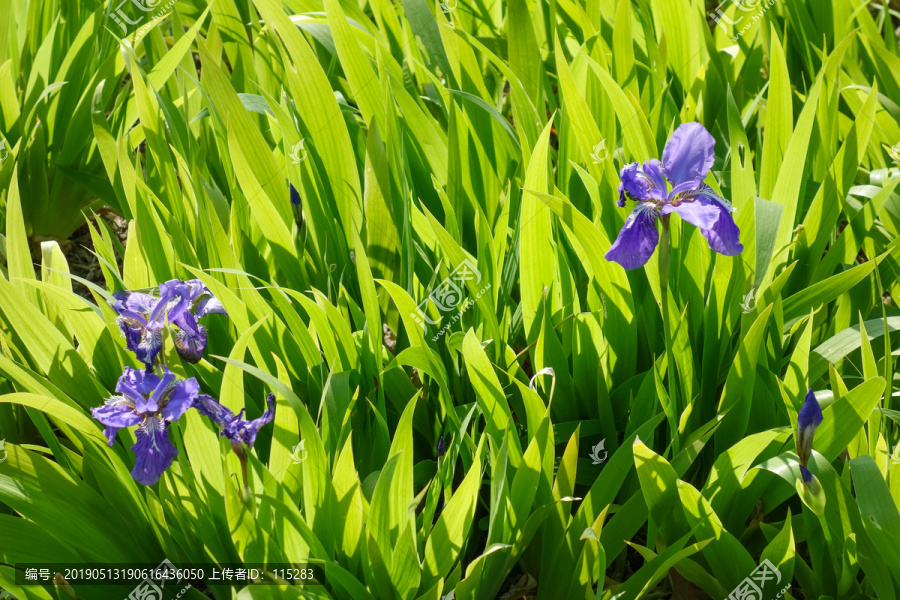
[
  {"x": 686, "y": 160},
  {"x": 143, "y": 319},
  {"x": 154, "y": 398}
]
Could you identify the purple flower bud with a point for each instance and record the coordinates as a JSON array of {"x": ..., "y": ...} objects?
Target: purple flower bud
[
  {"x": 806, "y": 475},
  {"x": 808, "y": 420},
  {"x": 295, "y": 196}
]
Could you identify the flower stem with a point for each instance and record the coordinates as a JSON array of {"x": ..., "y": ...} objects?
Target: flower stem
[
  {"x": 664, "y": 261},
  {"x": 242, "y": 456}
]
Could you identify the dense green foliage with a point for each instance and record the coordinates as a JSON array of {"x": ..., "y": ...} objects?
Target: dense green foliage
[{"x": 593, "y": 447}]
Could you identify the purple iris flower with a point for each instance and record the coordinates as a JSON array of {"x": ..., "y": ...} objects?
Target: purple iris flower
[
  {"x": 233, "y": 427},
  {"x": 189, "y": 336},
  {"x": 151, "y": 402},
  {"x": 143, "y": 317},
  {"x": 686, "y": 160},
  {"x": 441, "y": 448},
  {"x": 141, "y": 320},
  {"x": 808, "y": 419}
]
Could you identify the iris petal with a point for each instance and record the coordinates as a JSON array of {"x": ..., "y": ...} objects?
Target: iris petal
[
  {"x": 637, "y": 240},
  {"x": 135, "y": 318},
  {"x": 133, "y": 301},
  {"x": 191, "y": 295},
  {"x": 653, "y": 170},
  {"x": 724, "y": 237},
  {"x": 263, "y": 419},
  {"x": 701, "y": 213},
  {"x": 160, "y": 392},
  {"x": 141, "y": 381},
  {"x": 190, "y": 345},
  {"x": 712, "y": 216},
  {"x": 197, "y": 289},
  {"x": 689, "y": 154},
  {"x": 150, "y": 345},
  {"x": 174, "y": 299},
  {"x": 181, "y": 398},
  {"x": 633, "y": 183},
  {"x": 141, "y": 337},
  {"x": 208, "y": 406},
  {"x": 166, "y": 299},
  {"x": 116, "y": 413},
  {"x": 189, "y": 338},
  {"x": 239, "y": 430},
  {"x": 136, "y": 384},
  {"x": 153, "y": 451},
  {"x": 209, "y": 305},
  {"x": 172, "y": 289},
  {"x": 131, "y": 333},
  {"x": 642, "y": 182},
  {"x": 110, "y": 433}
]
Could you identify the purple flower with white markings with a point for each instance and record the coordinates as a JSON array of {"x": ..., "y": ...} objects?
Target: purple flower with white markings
[
  {"x": 150, "y": 402},
  {"x": 686, "y": 160},
  {"x": 142, "y": 318},
  {"x": 233, "y": 427},
  {"x": 188, "y": 335}
]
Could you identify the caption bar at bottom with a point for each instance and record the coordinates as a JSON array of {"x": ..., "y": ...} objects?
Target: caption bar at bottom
[{"x": 170, "y": 574}]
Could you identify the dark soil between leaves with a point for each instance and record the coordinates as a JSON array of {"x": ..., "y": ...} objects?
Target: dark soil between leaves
[{"x": 79, "y": 252}]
